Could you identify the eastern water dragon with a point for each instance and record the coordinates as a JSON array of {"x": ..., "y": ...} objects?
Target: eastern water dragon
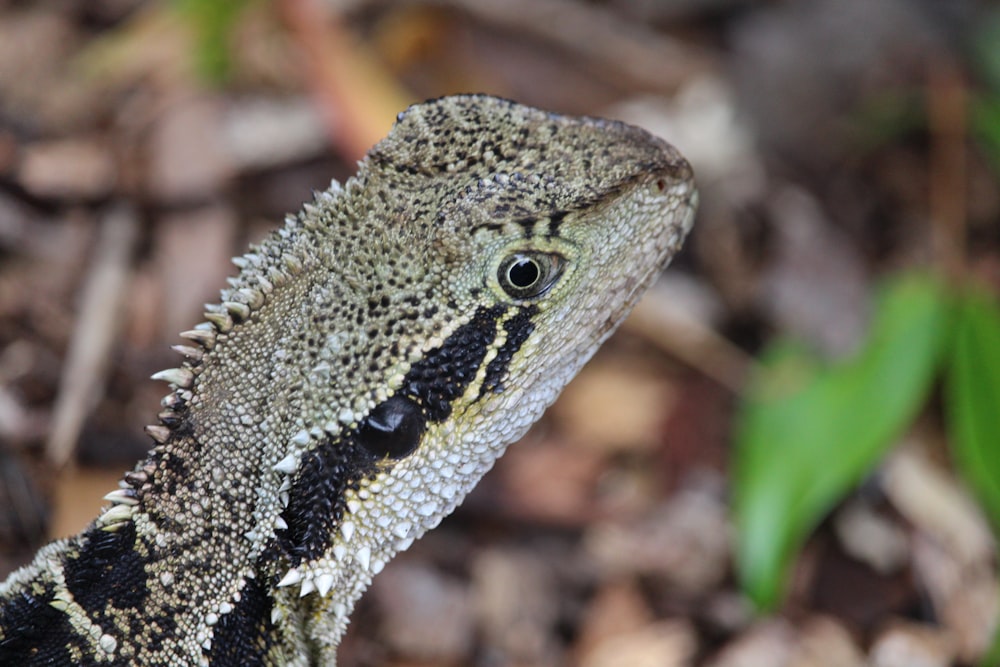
[{"x": 368, "y": 365}]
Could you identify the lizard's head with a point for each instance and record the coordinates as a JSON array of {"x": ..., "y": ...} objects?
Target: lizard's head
[
  {"x": 414, "y": 323},
  {"x": 513, "y": 242},
  {"x": 546, "y": 228}
]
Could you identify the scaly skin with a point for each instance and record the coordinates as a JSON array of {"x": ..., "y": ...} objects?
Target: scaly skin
[{"x": 370, "y": 363}]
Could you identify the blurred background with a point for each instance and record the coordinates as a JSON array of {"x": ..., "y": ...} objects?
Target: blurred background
[{"x": 837, "y": 143}]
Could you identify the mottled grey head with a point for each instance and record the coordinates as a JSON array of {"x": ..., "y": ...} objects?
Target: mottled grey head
[
  {"x": 500, "y": 207},
  {"x": 378, "y": 353},
  {"x": 476, "y": 202},
  {"x": 477, "y": 260}
]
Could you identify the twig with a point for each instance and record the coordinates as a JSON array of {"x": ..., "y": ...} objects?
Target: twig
[
  {"x": 84, "y": 374},
  {"x": 618, "y": 48},
  {"x": 946, "y": 108},
  {"x": 358, "y": 99},
  {"x": 692, "y": 342}
]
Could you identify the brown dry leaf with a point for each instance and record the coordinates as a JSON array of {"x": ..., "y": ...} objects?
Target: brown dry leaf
[
  {"x": 37, "y": 84},
  {"x": 617, "y": 607},
  {"x": 685, "y": 540},
  {"x": 193, "y": 250},
  {"x": 872, "y": 538},
  {"x": 660, "y": 644},
  {"x": 424, "y": 613},
  {"x": 267, "y": 132},
  {"x": 679, "y": 317},
  {"x": 769, "y": 643},
  {"x": 76, "y": 168},
  {"x": 516, "y": 604},
  {"x": 936, "y": 504},
  {"x": 913, "y": 645},
  {"x": 824, "y": 642},
  {"x": 154, "y": 45},
  {"x": 816, "y": 286},
  {"x": 551, "y": 480},
  {"x": 613, "y": 406},
  {"x": 188, "y": 155},
  {"x": 966, "y": 596}
]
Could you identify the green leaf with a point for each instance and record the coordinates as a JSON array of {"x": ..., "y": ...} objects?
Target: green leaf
[
  {"x": 806, "y": 434},
  {"x": 973, "y": 399},
  {"x": 992, "y": 657},
  {"x": 213, "y": 22},
  {"x": 985, "y": 112},
  {"x": 985, "y": 51}
]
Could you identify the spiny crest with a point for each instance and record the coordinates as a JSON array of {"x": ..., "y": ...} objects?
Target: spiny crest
[
  {"x": 263, "y": 269},
  {"x": 125, "y": 498}
]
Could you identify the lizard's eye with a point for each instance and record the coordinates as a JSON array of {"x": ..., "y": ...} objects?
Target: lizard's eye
[{"x": 525, "y": 275}]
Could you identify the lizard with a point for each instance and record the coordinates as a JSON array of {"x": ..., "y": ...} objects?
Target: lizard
[{"x": 366, "y": 367}]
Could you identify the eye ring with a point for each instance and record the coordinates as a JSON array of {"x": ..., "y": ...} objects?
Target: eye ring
[{"x": 529, "y": 274}]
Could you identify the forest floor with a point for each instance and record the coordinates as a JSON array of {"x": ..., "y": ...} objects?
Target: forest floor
[{"x": 143, "y": 144}]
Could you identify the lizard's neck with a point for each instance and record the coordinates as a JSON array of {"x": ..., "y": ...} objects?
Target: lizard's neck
[
  {"x": 284, "y": 503},
  {"x": 213, "y": 495}
]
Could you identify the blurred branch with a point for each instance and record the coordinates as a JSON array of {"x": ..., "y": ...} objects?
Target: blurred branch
[
  {"x": 947, "y": 109},
  {"x": 358, "y": 98},
  {"x": 657, "y": 319},
  {"x": 618, "y": 47},
  {"x": 97, "y": 322}
]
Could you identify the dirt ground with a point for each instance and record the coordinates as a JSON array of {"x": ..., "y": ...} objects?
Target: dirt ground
[{"x": 143, "y": 144}]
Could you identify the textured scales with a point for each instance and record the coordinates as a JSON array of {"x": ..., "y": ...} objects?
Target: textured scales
[{"x": 368, "y": 365}]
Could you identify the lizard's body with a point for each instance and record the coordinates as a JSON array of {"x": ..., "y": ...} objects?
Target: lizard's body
[{"x": 369, "y": 364}]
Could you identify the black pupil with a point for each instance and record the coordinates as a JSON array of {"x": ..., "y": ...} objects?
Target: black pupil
[{"x": 523, "y": 273}]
